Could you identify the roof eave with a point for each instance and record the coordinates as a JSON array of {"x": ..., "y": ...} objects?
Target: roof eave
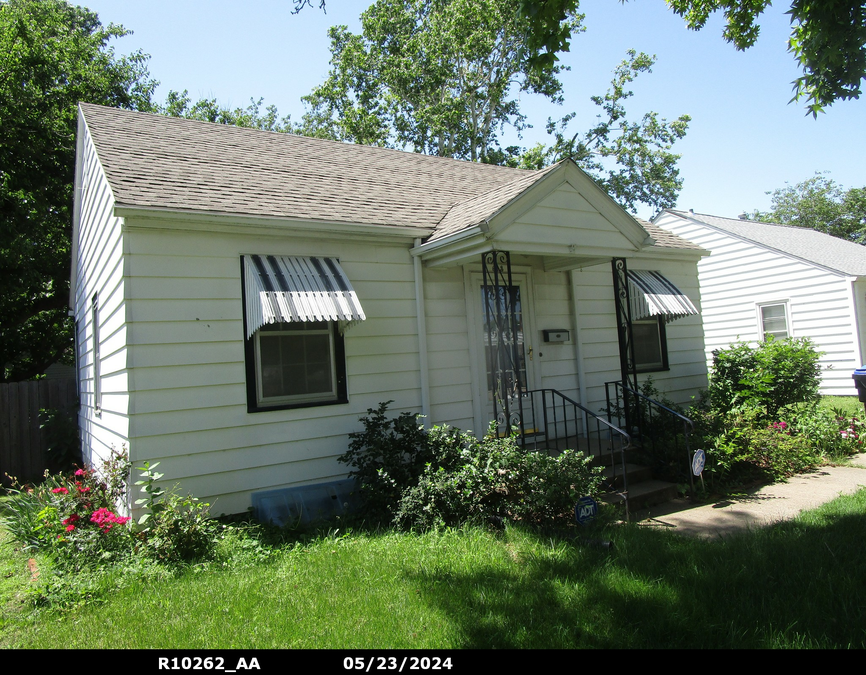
[{"x": 144, "y": 216}]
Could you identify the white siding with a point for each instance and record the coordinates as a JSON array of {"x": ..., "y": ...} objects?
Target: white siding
[
  {"x": 187, "y": 358},
  {"x": 740, "y": 275},
  {"x": 98, "y": 241}
]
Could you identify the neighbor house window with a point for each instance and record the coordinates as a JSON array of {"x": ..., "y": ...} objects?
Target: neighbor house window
[
  {"x": 650, "y": 345},
  {"x": 773, "y": 320},
  {"x": 295, "y": 312}
]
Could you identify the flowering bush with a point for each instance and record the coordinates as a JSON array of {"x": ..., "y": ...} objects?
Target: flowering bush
[{"x": 72, "y": 516}]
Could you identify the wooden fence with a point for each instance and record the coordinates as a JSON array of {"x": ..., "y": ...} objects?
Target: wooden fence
[{"x": 22, "y": 443}]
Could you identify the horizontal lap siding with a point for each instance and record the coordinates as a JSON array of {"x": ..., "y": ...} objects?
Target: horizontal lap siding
[
  {"x": 739, "y": 275},
  {"x": 448, "y": 335},
  {"x": 99, "y": 270},
  {"x": 186, "y": 329}
]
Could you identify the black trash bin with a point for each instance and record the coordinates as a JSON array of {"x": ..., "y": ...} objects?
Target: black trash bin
[{"x": 860, "y": 382}]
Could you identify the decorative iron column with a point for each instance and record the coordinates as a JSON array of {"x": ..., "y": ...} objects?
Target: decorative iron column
[
  {"x": 499, "y": 297},
  {"x": 623, "y": 323}
]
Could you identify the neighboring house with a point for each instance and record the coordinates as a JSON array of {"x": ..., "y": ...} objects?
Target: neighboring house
[
  {"x": 242, "y": 297},
  {"x": 786, "y": 281}
]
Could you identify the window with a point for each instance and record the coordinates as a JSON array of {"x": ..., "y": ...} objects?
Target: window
[
  {"x": 773, "y": 320},
  {"x": 650, "y": 345},
  {"x": 97, "y": 359},
  {"x": 296, "y": 364},
  {"x": 296, "y": 310}
]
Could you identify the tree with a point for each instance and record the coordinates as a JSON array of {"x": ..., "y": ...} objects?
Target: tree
[
  {"x": 828, "y": 38},
  {"x": 632, "y": 161},
  {"x": 819, "y": 203},
  {"x": 52, "y": 55},
  {"x": 179, "y": 104},
  {"x": 439, "y": 76}
]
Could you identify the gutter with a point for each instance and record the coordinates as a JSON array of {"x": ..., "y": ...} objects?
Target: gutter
[{"x": 421, "y": 316}]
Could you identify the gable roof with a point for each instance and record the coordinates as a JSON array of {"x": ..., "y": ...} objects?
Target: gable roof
[
  {"x": 180, "y": 165},
  {"x": 154, "y": 161},
  {"x": 801, "y": 242}
]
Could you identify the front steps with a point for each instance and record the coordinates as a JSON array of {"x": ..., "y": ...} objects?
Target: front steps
[{"x": 643, "y": 489}]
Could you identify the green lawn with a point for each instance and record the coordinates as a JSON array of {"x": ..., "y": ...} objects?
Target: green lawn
[{"x": 799, "y": 584}]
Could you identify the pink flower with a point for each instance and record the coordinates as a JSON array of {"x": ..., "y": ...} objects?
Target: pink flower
[
  {"x": 105, "y": 519},
  {"x": 81, "y": 472},
  {"x": 69, "y": 528},
  {"x": 60, "y": 491}
]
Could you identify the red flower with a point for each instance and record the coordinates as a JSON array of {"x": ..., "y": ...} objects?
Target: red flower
[
  {"x": 60, "y": 491},
  {"x": 69, "y": 528}
]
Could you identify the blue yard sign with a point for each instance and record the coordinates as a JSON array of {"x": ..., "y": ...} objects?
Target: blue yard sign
[
  {"x": 585, "y": 510},
  {"x": 698, "y": 462}
]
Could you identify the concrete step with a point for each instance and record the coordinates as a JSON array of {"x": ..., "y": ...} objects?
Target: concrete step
[
  {"x": 636, "y": 473},
  {"x": 643, "y": 494}
]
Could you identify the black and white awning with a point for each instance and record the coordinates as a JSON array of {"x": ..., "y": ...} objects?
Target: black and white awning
[
  {"x": 651, "y": 295},
  {"x": 287, "y": 289}
]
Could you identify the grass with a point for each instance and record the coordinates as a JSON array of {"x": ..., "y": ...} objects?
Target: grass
[
  {"x": 849, "y": 404},
  {"x": 797, "y": 584}
]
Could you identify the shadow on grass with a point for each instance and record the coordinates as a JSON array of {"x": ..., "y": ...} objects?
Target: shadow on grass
[{"x": 798, "y": 584}]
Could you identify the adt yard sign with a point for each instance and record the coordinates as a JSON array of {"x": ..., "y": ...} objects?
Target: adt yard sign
[
  {"x": 585, "y": 510},
  {"x": 698, "y": 462}
]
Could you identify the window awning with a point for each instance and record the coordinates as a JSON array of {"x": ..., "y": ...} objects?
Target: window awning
[
  {"x": 653, "y": 295},
  {"x": 286, "y": 289}
]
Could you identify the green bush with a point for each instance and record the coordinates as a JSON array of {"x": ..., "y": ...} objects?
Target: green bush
[
  {"x": 73, "y": 517},
  {"x": 388, "y": 457},
  {"x": 767, "y": 377},
  {"x": 174, "y": 528},
  {"x": 412, "y": 477}
]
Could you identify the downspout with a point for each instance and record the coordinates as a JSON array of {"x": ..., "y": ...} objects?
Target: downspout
[{"x": 422, "y": 337}]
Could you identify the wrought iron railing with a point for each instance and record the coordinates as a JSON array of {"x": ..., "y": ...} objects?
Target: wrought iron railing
[
  {"x": 661, "y": 433},
  {"x": 551, "y": 421}
]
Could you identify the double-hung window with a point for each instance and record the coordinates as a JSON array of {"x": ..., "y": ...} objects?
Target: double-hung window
[
  {"x": 773, "y": 320},
  {"x": 296, "y": 310}
]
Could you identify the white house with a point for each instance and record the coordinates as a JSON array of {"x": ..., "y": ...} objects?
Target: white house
[
  {"x": 242, "y": 297},
  {"x": 786, "y": 281}
]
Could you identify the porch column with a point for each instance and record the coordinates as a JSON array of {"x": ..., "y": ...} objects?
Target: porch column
[{"x": 623, "y": 323}]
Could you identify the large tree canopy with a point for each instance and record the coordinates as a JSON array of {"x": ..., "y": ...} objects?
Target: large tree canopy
[
  {"x": 828, "y": 38},
  {"x": 632, "y": 161},
  {"x": 443, "y": 77},
  {"x": 52, "y": 55},
  {"x": 821, "y": 204},
  {"x": 440, "y": 77}
]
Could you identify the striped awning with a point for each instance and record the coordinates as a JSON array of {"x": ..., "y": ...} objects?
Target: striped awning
[
  {"x": 653, "y": 295},
  {"x": 286, "y": 289}
]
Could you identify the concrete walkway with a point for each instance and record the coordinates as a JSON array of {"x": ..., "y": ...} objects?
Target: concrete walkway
[{"x": 763, "y": 506}]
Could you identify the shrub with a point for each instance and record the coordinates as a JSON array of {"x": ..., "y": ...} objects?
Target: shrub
[
  {"x": 388, "y": 457},
  {"x": 768, "y": 377},
  {"x": 418, "y": 478},
  {"x": 73, "y": 517},
  {"x": 175, "y": 528},
  {"x": 495, "y": 479}
]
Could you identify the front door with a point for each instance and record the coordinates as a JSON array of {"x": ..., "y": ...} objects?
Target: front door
[{"x": 503, "y": 351}]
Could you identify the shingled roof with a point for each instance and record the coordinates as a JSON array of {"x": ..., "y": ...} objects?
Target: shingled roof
[
  {"x": 801, "y": 242},
  {"x": 153, "y": 161},
  {"x": 178, "y": 164}
]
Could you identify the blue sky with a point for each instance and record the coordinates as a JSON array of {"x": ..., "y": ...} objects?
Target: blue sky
[{"x": 744, "y": 139}]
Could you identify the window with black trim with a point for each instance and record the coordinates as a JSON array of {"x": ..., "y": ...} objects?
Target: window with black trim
[
  {"x": 650, "y": 345},
  {"x": 773, "y": 318},
  {"x": 293, "y": 365}
]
